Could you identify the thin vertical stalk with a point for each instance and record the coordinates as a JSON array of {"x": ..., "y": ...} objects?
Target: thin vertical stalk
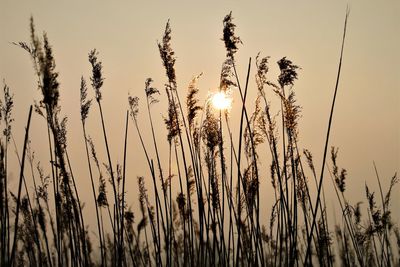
[
  {"x": 121, "y": 245},
  {"x": 308, "y": 253},
  {"x": 21, "y": 175},
  {"x": 94, "y": 196},
  {"x": 111, "y": 171}
]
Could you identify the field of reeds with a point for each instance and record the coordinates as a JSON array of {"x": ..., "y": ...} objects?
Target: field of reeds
[{"x": 201, "y": 205}]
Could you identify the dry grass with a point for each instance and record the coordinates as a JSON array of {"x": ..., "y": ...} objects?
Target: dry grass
[{"x": 215, "y": 217}]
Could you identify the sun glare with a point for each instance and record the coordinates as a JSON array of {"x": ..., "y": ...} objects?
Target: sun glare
[{"x": 221, "y": 100}]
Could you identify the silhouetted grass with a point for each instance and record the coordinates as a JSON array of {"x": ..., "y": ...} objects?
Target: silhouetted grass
[{"x": 215, "y": 217}]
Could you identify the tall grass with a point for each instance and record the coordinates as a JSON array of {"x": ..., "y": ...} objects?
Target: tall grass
[{"x": 213, "y": 217}]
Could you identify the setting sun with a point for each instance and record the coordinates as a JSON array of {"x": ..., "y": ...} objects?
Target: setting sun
[{"x": 221, "y": 100}]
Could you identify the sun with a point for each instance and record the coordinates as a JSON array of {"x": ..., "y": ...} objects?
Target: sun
[{"x": 221, "y": 100}]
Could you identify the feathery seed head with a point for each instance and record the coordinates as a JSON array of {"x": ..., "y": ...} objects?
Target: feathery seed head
[
  {"x": 150, "y": 91},
  {"x": 97, "y": 76},
  {"x": 172, "y": 122},
  {"x": 85, "y": 104},
  {"x": 134, "y": 106},
  {"x": 288, "y": 72},
  {"x": 168, "y": 55},
  {"x": 210, "y": 131},
  {"x": 261, "y": 75},
  {"x": 191, "y": 101},
  {"x": 231, "y": 41},
  {"x": 227, "y": 75},
  {"x": 49, "y": 83},
  {"x": 5, "y": 111}
]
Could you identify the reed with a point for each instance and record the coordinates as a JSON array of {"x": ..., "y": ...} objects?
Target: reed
[{"x": 201, "y": 205}]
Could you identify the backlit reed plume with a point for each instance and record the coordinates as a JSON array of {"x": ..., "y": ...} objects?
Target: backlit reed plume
[{"x": 231, "y": 41}]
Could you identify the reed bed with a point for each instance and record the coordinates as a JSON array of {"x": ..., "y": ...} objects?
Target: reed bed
[{"x": 204, "y": 208}]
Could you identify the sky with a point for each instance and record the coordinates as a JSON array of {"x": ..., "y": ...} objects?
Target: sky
[{"x": 366, "y": 124}]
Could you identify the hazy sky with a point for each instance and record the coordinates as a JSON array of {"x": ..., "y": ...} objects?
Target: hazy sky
[{"x": 366, "y": 124}]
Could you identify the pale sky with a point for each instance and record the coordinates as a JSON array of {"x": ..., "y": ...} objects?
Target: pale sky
[{"x": 366, "y": 124}]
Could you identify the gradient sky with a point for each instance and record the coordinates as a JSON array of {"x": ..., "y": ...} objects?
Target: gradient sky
[{"x": 366, "y": 124}]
